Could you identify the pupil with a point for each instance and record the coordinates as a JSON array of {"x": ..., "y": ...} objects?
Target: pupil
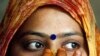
[
  {"x": 38, "y": 45},
  {"x": 74, "y": 45}
]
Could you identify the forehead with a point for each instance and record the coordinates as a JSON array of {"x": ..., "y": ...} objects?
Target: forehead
[{"x": 50, "y": 20}]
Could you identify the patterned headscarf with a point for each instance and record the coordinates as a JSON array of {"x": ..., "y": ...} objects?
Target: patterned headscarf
[{"x": 19, "y": 10}]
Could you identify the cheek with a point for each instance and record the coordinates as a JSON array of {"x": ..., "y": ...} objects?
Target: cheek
[
  {"x": 17, "y": 50},
  {"x": 80, "y": 52},
  {"x": 84, "y": 53}
]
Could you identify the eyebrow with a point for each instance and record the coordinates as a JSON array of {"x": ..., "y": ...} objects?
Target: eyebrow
[
  {"x": 33, "y": 33},
  {"x": 72, "y": 34},
  {"x": 66, "y": 34}
]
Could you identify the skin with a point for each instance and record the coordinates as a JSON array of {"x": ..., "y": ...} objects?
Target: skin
[{"x": 40, "y": 26}]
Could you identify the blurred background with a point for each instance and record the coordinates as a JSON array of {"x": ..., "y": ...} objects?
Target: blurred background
[{"x": 95, "y": 5}]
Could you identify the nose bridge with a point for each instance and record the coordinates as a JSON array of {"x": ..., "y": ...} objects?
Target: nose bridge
[
  {"x": 54, "y": 46},
  {"x": 55, "y": 49}
]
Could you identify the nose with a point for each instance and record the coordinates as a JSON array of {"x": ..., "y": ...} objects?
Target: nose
[{"x": 60, "y": 52}]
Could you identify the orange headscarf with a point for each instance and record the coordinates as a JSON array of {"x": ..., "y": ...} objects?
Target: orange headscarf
[{"x": 19, "y": 10}]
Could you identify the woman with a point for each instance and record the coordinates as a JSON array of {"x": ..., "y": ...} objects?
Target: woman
[{"x": 38, "y": 28}]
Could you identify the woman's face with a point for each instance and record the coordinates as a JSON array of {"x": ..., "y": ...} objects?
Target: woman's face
[{"x": 34, "y": 35}]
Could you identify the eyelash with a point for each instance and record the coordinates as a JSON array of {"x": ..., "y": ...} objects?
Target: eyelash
[
  {"x": 26, "y": 44},
  {"x": 68, "y": 45},
  {"x": 70, "y": 42}
]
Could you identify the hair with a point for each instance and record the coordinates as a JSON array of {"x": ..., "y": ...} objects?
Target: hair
[{"x": 19, "y": 10}]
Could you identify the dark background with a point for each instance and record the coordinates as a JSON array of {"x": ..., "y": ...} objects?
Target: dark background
[{"x": 95, "y": 5}]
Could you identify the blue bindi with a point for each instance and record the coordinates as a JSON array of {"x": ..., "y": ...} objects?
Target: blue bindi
[{"x": 53, "y": 37}]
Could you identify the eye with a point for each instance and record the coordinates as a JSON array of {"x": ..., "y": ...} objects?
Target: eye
[
  {"x": 72, "y": 45},
  {"x": 34, "y": 45}
]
